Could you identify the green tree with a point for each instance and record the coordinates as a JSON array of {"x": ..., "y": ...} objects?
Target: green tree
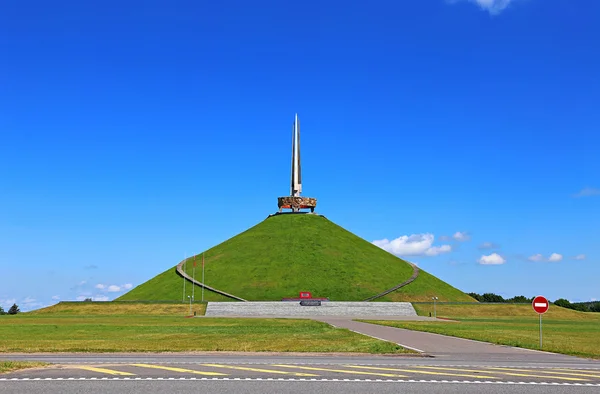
[
  {"x": 491, "y": 297},
  {"x": 519, "y": 299},
  {"x": 581, "y": 306},
  {"x": 564, "y": 303},
  {"x": 2, "y": 311},
  {"x": 476, "y": 296},
  {"x": 13, "y": 310}
]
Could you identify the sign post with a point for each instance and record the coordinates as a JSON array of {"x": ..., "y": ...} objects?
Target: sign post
[{"x": 540, "y": 305}]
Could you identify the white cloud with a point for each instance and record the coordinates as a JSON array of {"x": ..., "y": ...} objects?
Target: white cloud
[
  {"x": 56, "y": 298},
  {"x": 81, "y": 298},
  {"x": 79, "y": 286},
  {"x": 488, "y": 245},
  {"x": 492, "y": 6},
  {"x": 580, "y": 257},
  {"x": 28, "y": 300},
  {"x": 588, "y": 192},
  {"x": 435, "y": 250},
  {"x": 492, "y": 259},
  {"x": 461, "y": 237},
  {"x": 100, "y": 298},
  {"x": 7, "y": 303},
  {"x": 113, "y": 288},
  {"x": 413, "y": 245},
  {"x": 555, "y": 257},
  {"x": 536, "y": 257}
]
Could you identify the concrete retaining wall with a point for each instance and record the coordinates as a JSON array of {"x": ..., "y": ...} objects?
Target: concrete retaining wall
[{"x": 293, "y": 308}]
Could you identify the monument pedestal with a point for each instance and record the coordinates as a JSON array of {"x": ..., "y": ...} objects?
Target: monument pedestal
[{"x": 296, "y": 203}]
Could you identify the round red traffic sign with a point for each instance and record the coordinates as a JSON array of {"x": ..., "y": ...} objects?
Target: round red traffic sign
[{"x": 540, "y": 304}]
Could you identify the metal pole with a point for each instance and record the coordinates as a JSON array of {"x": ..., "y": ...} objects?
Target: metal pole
[
  {"x": 184, "y": 261},
  {"x": 540, "y": 331},
  {"x": 434, "y": 308},
  {"x": 194, "y": 277},
  {"x": 190, "y": 305},
  {"x": 202, "y": 277}
]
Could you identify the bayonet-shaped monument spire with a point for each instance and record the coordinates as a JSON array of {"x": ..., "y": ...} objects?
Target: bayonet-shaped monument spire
[
  {"x": 294, "y": 201},
  {"x": 296, "y": 186}
]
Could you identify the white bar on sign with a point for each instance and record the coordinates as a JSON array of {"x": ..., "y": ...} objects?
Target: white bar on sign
[{"x": 541, "y": 304}]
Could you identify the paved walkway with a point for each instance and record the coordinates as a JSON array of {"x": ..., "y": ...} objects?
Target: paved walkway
[{"x": 446, "y": 346}]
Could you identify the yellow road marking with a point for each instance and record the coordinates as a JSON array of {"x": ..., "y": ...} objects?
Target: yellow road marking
[
  {"x": 595, "y": 372},
  {"x": 506, "y": 373},
  {"x": 551, "y": 370},
  {"x": 424, "y": 372},
  {"x": 103, "y": 370},
  {"x": 259, "y": 370},
  {"x": 178, "y": 369},
  {"x": 340, "y": 371}
]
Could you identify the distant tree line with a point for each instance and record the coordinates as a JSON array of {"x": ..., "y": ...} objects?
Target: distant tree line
[
  {"x": 12, "y": 311},
  {"x": 590, "y": 306},
  {"x": 491, "y": 297}
]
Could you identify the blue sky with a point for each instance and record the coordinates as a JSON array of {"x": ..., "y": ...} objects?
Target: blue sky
[{"x": 136, "y": 133}]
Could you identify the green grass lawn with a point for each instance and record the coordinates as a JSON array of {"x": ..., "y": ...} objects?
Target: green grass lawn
[
  {"x": 74, "y": 332},
  {"x": 564, "y": 330},
  {"x": 286, "y": 254},
  {"x": 9, "y": 366},
  {"x": 121, "y": 308}
]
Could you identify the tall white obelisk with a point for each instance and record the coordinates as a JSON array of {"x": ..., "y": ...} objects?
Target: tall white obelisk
[
  {"x": 296, "y": 186},
  {"x": 294, "y": 201}
]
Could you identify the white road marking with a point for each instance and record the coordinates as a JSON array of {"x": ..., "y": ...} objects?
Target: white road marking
[
  {"x": 319, "y": 380},
  {"x": 414, "y": 349},
  {"x": 592, "y": 369},
  {"x": 371, "y": 336},
  {"x": 519, "y": 365}
]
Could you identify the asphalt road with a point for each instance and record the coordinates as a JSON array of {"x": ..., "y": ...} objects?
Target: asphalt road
[
  {"x": 451, "y": 365},
  {"x": 260, "y": 387},
  {"x": 535, "y": 359},
  {"x": 311, "y": 368}
]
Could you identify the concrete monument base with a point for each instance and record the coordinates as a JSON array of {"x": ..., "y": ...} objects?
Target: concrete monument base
[{"x": 296, "y": 203}]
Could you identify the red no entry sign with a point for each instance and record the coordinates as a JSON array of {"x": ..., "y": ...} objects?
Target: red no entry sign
[{"x": 540, "y": 304}]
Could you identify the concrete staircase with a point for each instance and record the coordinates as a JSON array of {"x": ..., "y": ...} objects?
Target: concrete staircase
[
  {"x": 414, "y": 276},
  {"x": 293, "y": 308}
]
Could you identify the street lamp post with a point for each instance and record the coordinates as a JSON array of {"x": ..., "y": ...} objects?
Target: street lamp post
[
  {"x": 434, "y": 309},
  {"x": 191, "y": 299}
]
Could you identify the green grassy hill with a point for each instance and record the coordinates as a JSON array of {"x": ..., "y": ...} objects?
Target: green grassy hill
[{"x": 286, "y": 254}]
